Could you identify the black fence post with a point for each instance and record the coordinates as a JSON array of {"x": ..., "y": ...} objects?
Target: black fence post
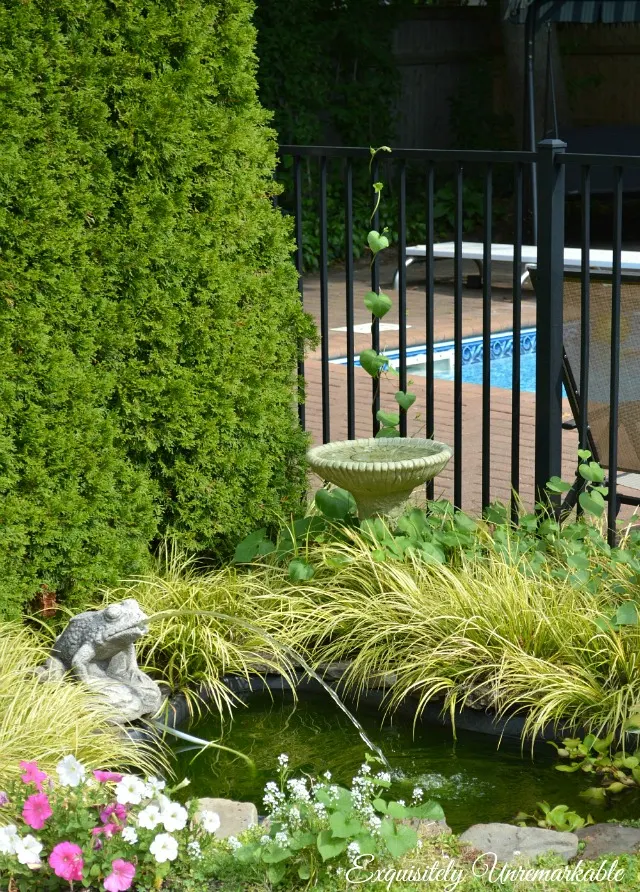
[{"x": 549, "y": 290}]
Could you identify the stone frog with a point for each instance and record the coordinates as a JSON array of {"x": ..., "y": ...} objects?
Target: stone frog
[{"x": 97, "y": 647}]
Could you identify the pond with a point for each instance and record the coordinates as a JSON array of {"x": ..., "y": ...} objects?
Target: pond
[{"x": 472, "y": 779}]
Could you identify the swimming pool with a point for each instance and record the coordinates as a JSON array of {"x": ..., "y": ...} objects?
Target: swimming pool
[{"x": 501, "y": 365}]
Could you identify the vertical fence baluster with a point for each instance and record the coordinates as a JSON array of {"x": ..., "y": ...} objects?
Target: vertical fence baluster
[
  {"x": 614, "y": 391},
  {"x": 375, "y": 286},
  {"x": 549, "y": 298},
  {"x": 430, "y": 311},
  {"x": 402, "y": 286},
  {"x": 517, "y": 326},
  {"x": 297, "y": 189},
  {"x": 585, "y": 309},
  {"x": 348, "y": 225},
  {"x": 457, "y": 344},
  {"x": 324, "y": 303},
  {"x": 486, "y": 337}
]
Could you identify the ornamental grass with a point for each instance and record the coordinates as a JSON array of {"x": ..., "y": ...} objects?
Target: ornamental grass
[
  {"x": 45, "y": 721},
  {"x": 485, "y": 630},
  {"x": 214, "y": 633}
]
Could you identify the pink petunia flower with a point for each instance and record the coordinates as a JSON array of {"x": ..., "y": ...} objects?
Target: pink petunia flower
[
  {"x": 121, "y": 877},
  {"x": 106, "y": 777},
  {"x": 32, "y": 774},
  {"x": 66, "y": 861},
  {"x": 117, "y": 811},
  {"x": 36, "y": 810}
]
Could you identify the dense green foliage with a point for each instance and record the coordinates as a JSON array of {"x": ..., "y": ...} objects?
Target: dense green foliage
[{"x": 147, "y": 291}]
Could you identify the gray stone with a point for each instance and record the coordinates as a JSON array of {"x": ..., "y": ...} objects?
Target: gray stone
[
  {"x": 608, "y": 839},
  {"x": 507, "y": 842},
  {"x": 235, "y": 817},
  {"x": 97, "y": 647}
]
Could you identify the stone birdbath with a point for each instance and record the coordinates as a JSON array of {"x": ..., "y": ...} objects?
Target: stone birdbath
[{"x": 380, "y": 473}]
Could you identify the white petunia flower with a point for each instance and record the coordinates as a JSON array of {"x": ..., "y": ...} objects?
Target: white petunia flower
[
  {"x": 193, "y": 848},
  {"x": 129, "y": 835},
  {"x": 150, "y": 817},
  {"x": 28, "y": 850},
  {"x": 153, "y": 786},
  {"x": 174, "y": 817},
  {"x": 164, "y": 848},
  {"x": 210, "y": 821},
  {"x": 130, "y": 790},
  {"x": 9, "y": 839},
  {"x": 70, "y": 771}
]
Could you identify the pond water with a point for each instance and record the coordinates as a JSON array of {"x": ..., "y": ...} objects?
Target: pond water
[{"x": 472, "y": 779}]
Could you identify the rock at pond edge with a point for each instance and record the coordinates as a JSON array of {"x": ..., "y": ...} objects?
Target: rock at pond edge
[
  {"x": 235, "y": 817},
  {"x": 508, "y": 842}
]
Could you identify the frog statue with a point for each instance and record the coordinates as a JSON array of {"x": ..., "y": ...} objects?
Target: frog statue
[{"x": 97, "y": 647}]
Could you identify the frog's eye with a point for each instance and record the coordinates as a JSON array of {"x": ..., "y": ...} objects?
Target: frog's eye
[{"x": 112, "y": 612}]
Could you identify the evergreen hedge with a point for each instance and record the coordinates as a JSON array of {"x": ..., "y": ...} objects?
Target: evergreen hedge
[{"x": 149, "y": 317}]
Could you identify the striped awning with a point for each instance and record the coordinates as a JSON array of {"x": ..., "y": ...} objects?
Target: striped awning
[{"x": 608, "y": 12}]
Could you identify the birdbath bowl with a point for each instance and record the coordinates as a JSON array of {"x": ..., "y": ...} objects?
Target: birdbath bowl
[{"x": 380, "y": 473}]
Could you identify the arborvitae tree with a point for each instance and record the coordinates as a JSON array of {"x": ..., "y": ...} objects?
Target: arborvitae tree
[{"x": 149, "y": 317}]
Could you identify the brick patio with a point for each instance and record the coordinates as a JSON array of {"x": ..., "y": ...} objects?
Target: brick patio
[{"x": 501, "y": 400}]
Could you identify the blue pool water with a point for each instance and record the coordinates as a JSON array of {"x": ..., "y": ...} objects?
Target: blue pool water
[{"x": 472, "y": 349}]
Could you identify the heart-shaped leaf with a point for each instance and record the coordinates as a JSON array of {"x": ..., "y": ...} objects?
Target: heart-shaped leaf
[
  {"x": 377, "y": 304},
  {"x": 276, "y": 873},
  {"x": 252, "y": 546},
  {"x": 399, "y": 838},
  {"x": 428, "y": 811},
  {"x": 627, "y": 614},
  {"x": 590, "y": 504},
  {"x": 405, "y": 400},
  {"x": 328, "y": 847},
  {"x": 344, "y": 827},
  {"x": 388, "y": 419},
  {"x": 387, "y": 432},
  {"x": 377, "y": 242},
  {"x": 336, "y": 504},
  {"x": 373, "y": 362},
  {"x": 300, "y": 570},
  {"x": 558, "y": 485}
]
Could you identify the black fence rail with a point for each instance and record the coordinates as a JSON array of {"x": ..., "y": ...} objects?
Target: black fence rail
[{"x": 486, "y": 197}]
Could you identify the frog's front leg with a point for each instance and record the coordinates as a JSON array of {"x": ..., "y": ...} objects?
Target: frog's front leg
[{"x": 83, "y": 666}]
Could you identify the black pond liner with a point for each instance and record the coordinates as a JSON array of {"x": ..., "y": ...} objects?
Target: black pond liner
[{"x": 481, "y": 721}]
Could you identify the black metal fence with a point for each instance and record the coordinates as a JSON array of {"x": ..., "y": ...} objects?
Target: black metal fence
[{"x": 320, "y": 179}]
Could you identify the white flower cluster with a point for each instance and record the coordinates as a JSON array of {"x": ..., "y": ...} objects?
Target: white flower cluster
[
  {"x": 273, "y": 797},
  {"x": 26, "y": 848},
  {"x": 283, "y": 760},
  {"x": 353, "y": 850},
  {"x": 298, "y": 789}
]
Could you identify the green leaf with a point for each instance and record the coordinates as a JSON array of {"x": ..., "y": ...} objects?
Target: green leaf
[
  {"x": 247, "y": 853},
  {"x": 589, "y": 503},
  {"x": 336, "y": 504},
  {"x": 395, "y": 810},
  {"x": 627, "y": 614},
  {"x": 558, "y": 485},
  {"x": 276, "y": 873},
  {"x": 373, "y": 362},
  {"x": 272, "y": 853},
  {"x": 405, "y": 400},
  {"x": 387, "y": 432},
  {"x": 300, "y": 571},
  {"x": 389, "y": 419},
  {"x": 380, "y": 805},
  {"x": 301, "y": 840},
  {"x": 343, "y": 826},
  {"x": 377, "y": 242},
  {"x": 591, "y": 472},
  {"x": 377, "y": 304},
  {"x": 304, "y": 871},
  {"x": 253, "y": 546},
  {"x": 584, "y": 454},
  {"x": 427, "y": 811},
  {"x": 398, "y": 838},
  {"x": 328, "y": 847}
]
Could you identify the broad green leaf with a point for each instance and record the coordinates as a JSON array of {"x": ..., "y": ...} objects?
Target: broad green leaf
[
  {"x": 405, "y": 400},
  {"x": 398, "y": 838},
  {"x": 276, "y": 873},
  {"x": 590, "y": 505},
  {"x": 387, "y": 432},
  {"x": 389, "y": 419},
  {"x": 247, "y": 853},
  {"x": 377, "y": 242},
  {"x": 427, "y": 811},
  {"x": 395, "y": 810},
  {"x": 328, "y": 847},
  {"x": 627, "y": 614},
  {"x": 584, "y": 454},
  {"x": 304, "y": 871},
  {"x": 272, "y": 853},
  {"x": 300, "y": 571},
  {"x": 597, "y": 794},
  {"x": 301, "y": 839},
  {"x": 343, "y": 826},
  {"x": 558, "y": 485},
  {"x": 252, "y": 546},
  {"x": 380, "y": 805},
  {"x": 373, "y": 362},
  {"x": 367, "y": 844},
  {"x": 591, "y": 472},
  {"x": 377, "y": 304},
  {"x": 336, "y": 504}
]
